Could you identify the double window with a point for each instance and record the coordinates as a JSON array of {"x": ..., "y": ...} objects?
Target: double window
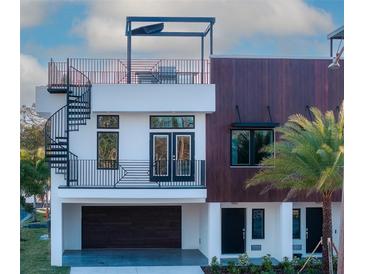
[
  {"x": 247, "y": 144},
  {"x": 107, "y": 142}
]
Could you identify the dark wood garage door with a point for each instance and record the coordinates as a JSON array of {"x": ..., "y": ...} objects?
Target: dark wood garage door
[{"x": 131, "y": 227}]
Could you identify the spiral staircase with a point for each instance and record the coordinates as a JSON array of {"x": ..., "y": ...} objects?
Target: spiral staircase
[{"x": 65, "y": 120}]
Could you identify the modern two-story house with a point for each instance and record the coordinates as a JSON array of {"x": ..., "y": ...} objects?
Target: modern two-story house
[{"x": 154, "y": 154}]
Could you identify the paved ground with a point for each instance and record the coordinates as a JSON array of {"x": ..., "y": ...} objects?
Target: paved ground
[
  {"x": 134, "y": 257},
  {"x": 24, "y": 215},
  {"x": 138, "y": 270}
]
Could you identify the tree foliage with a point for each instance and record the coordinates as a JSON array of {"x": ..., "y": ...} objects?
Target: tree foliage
[
  {"x": 34, "y": 172},
  {"x": 309, "y": 155},
  {"x": 31, "y": 129}
]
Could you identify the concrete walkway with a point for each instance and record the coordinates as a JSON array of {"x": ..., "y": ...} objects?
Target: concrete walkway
[
  {"x": 129, "y": 257},
  {"x": 138, "y": 270}
]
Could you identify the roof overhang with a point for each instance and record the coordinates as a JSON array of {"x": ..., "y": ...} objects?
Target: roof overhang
[
  {"x": 337, "y": 34},
  {"x": 255, "y": 125}
]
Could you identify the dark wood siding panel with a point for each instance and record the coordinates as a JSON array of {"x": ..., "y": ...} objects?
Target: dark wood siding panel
[
  {"x": 131, "y": 227},
  {"x": 287, "y": 86}
]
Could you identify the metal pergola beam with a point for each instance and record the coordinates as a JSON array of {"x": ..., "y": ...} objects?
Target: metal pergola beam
[
  {"x": 129, "y": 34},
  {"x": 170, "y": 19},
  {"x": 171, "y": 33}
]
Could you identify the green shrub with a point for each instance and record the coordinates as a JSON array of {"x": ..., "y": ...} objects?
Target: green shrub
[
  {"x": 254, "y": 269},
  {"x": 233, "y": 268},
  {"x": 243, "y": 260},
  {"x": 287, "y": 266},
  {"x": 215, "y": 266},
  {"x": 267, "y": 263}
]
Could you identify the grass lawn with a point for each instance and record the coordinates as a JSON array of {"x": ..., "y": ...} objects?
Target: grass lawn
[{"x": 35, "y": 254}]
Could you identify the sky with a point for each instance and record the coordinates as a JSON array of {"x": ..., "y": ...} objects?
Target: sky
[{"x": 69, "y": 28}]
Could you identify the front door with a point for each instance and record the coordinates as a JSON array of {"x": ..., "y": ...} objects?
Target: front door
[
  {"x": 313, "y": 228},
  {"x": 172, "y": 157},
  {"x": 233, "y": 230}
]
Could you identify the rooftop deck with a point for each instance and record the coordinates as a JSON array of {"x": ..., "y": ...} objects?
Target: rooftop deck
[{"x": 114, "y": 71}]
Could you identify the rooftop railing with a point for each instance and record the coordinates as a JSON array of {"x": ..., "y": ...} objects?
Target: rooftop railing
[{"x": 114, "y": 71}]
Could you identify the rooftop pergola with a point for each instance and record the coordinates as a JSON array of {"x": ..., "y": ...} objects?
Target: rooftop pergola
[
  {"x": 156, "y": 29},
  {"x": 338, "y": 34}
]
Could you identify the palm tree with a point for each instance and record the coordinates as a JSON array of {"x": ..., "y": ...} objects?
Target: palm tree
[{"x": 308, "y": 157}]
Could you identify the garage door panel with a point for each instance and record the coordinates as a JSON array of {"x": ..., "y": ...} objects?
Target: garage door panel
[{"x": 131, "y": 227}]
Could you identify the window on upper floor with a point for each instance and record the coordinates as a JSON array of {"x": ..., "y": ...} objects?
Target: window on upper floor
[
  {"x": 258, "y": 223},
  {"x": 247, "y": 144},
  {"x": 108, "y": 121},
  {"x": 172, "y": 122},
  {"x": 296, "y": 223},
  {"x": 107, "y": 150}
]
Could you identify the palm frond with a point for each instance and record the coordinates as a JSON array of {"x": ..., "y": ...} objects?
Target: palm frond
[{"x": 308, "y": 156}]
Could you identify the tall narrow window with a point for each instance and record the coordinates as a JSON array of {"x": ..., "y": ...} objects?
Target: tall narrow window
[
  {"x": 258, "y": 223},
  {"x": 160, "y": 155},
  {"x": 108, "y": 152},
  {"x": 240, "y": 147},
  {"x": 296, "y": 223},
  {"x": 262, "y": 139},
  {"x": 183, "y": 155}
]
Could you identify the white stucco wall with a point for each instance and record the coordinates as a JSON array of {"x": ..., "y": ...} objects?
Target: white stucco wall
[
  {"x": 136, "y": 98},
  {"x": 286, "y": 230},
  {"x": 71, "y": 226},
  {"x": 47, "y": 103},
  {"x": 336, "y": 209},
  {"x": 134, "y": 135},
  {"x": 210, "y": 230},
  {"x": 190, "y": 226},
  {"x": 272, "y": 243},
  {"x": 56, "y": 222},
  {"x": 153, "y": 98}
]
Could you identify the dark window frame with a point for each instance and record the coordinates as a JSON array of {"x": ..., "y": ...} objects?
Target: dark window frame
[
  {"x": 97, "y": 151},
  {"x": 108, "y": 115},
  {"x": 300, "y": 223},
  {"x": 263, "y": 224},
  {"x": 152, "y": 116},
  {"x": 251, "y": 145}
]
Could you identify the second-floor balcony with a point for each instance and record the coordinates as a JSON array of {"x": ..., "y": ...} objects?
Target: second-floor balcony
[
  {"x": 115, "y": 71},
  {"x": 114, "y": 174}
]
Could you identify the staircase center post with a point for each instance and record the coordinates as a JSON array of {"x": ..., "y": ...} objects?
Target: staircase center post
[{"x": 67, "y": 124}]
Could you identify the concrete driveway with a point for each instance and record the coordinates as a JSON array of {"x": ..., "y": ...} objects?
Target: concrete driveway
[{"x": 138, "y": 270}]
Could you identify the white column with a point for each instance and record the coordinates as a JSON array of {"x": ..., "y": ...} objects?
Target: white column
[
  {"x": 71, "y": 226},
  {"x": 56, "y": 223},
  {"x": 190, "y": 226},
  {"x": 210, "y": 230},
  {"x": 286, "y": 230},
  {"x": 214, "y": 230}
]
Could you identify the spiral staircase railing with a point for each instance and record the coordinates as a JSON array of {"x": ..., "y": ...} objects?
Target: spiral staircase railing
[{"x": 68, "y": 118}]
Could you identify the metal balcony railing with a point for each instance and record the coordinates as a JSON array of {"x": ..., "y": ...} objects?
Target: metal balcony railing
[
  {"x": 114, "y": 71},
  {"x": 137, "y": 174}
]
